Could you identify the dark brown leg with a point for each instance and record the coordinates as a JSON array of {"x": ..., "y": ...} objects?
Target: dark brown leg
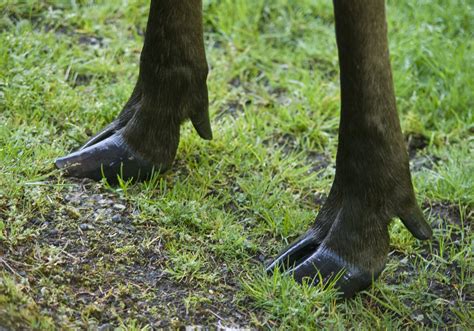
[
  {"x": 372, "y": 183},
  {"x": 171, "y": 88}
]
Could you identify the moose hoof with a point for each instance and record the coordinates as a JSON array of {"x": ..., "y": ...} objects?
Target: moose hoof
[{"x": 108, "y": 158}]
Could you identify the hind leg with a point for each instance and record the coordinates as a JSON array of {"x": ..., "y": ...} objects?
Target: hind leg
[{"x": 372, "y": 183}]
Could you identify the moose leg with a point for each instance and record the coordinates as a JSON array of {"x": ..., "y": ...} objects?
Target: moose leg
[
  {"x": 171, "y": 88},
  {"x": 372, "y": 184}
]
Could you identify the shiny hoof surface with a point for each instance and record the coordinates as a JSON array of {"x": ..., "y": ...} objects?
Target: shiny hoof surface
[
  {"x": 307, "y": 260},
  {"x": 109, "y": 158}
]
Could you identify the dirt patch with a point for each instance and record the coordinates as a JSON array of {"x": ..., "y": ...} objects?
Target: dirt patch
[
  {"x": 231, "y": 108},
  {"x": 415, "y": 142},
  {"x": 444, "y": 211},
  {"x": 446, "y": 218},
  {"x": 77, "y": 79},
  {"x": 287, "y": 142},
  {"x": 419, "y": 162},
  {"x": 318, "y": 161},
  {"x": 91, "y": 40},
  {"x": 91, "y": 252}
]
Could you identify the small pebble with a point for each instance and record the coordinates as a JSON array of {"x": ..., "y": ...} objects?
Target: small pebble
[
  {"x": 86, "y": 227},
  {"x": 35, "y": 221},
  {"x": 116, "y": 218},
  {"x": 119, "y": 206},
  {"x": 105, "y": 327}
]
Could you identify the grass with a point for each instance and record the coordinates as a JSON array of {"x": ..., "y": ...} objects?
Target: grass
[{"x": 187, "y": 248}]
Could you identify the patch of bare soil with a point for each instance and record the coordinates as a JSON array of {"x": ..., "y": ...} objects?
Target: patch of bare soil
[
  {"x": 447, "y": 220},
  {"x": 415, "y": 142},
  {"x": 419, "y": 159},
  {"x": 89, "y": 260}
]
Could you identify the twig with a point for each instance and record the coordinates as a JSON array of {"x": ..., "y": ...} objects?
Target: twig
[{"x": 10, "y": 268}]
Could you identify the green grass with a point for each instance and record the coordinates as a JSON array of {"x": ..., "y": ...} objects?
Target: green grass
[{"x": 187, "y": 248}]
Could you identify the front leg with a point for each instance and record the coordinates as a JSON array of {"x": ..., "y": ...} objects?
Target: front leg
[
  {"x": 171, "y": 88},
  {"x": 372, "y": 183}
]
